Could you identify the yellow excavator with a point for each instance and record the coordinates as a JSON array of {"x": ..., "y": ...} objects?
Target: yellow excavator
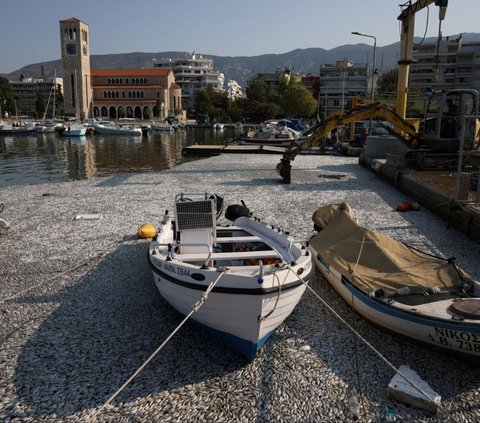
[{"x": 449, "y": 116}]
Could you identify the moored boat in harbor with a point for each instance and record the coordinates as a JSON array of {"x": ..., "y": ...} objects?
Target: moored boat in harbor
[
  {"x": 247, "y": 273},
  {"x": 273, "y": 134},
  {"x": 108, "y": 128},
  {"x": 161, "y": 127},
  {"x": 75, "y": 130},
  {"x": 413, "y": 294},
  {"x": 17, "y": 129}
]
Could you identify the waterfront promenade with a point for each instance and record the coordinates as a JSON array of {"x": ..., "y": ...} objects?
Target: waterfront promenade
[{"x": 80, "y": 312}]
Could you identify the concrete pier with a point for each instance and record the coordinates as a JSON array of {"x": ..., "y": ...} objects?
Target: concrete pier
[
  {"x": 434, "y": 188},
  {"x": 80, "y": 313}
]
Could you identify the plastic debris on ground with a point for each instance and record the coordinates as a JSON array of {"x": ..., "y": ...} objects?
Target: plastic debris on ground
[
  {"x": 402, "y": 390},
  {"x": 88, "y": 216}
]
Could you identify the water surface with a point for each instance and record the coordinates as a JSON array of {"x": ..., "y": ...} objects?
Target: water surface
[{"x": 42, "y": 158}]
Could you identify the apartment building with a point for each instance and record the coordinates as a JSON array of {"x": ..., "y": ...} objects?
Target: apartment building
[
  {"x": 340, "y": 83},
  {"x": 192, "y": 74},
  {"x": 37, "y": 93},
  {"x": 454, "y": 64}
]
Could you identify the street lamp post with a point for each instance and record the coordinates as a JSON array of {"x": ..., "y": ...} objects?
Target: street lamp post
[{"x": 373, "y": 64}]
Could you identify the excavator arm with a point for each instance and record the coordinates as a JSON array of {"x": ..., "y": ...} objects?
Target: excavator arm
[{"x": 376, "y": 111}]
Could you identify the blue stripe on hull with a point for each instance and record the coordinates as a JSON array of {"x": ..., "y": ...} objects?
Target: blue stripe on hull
[
  {"x": 381, "y": 307},
  {"x": 247, "y": 348}
]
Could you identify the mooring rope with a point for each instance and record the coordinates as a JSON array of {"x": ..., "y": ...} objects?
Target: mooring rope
[
  {"x": 194, "y": 309},
  {"x": 359, "y": 336},
  {"x": 274, "y": 276}
]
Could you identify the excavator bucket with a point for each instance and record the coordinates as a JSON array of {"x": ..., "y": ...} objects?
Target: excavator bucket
[{"x": 284, "y": 169}]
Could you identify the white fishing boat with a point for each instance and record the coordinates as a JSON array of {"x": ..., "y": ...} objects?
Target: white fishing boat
[
  {"x": 47, "y": 127},
  {"x": 75, "y": 130},
  {"x": 18, "y": 129},
  {"x": 271, "y": 135},
  {"x": 251, "y": 271},
  {"x": 413, "y": 294},
  {"x": 161, "y": 127},
  {"x": 109, "y": 128}
]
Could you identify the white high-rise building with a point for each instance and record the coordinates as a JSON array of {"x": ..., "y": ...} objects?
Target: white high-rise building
[
  {"x": 234, "y": 90},
  {"x": 454, "y": 64},
  {"x": 192, "y": 73}
]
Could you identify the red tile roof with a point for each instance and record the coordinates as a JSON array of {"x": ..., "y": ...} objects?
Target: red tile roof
[
  {"x": 130, "y": 72},
  {"x": 174, "y": 86},
  {"x": 72, "y": 19}
]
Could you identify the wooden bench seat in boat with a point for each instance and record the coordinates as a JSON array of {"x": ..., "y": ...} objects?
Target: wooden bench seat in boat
[
  {"x": 234, "y": 255},
  {"x": 247, "y": 238}
]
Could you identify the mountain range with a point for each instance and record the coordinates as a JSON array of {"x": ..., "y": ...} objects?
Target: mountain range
[{"x": 242, "y": 68}]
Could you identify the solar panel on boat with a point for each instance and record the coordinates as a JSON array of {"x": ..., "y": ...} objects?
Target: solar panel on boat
[{"x": 195, "y": 214}]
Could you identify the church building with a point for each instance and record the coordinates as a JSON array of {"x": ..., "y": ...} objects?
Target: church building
[{"x": 112, "y": 93}]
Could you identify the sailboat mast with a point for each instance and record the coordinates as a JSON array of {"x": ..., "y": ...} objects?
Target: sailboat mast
[{"x": 54, "y": 93}]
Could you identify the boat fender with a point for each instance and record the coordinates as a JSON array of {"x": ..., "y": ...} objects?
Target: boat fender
[
  {"x": 147, "y": 230},
  {"x": 235, "y": 211}
]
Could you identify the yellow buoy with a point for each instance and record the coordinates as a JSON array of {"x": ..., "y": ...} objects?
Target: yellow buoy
[{"x": 147, "y": 230}]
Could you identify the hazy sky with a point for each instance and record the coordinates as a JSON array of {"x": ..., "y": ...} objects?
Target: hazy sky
[{"x": 29, "y": 29}]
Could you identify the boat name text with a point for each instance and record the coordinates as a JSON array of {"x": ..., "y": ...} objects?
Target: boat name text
[
  {"x": 177, "y": 270},
  {"x": 455, "y": 339}
]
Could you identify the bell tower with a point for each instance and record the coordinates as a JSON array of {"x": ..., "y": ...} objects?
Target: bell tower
[{"x": 77, "y": 84}]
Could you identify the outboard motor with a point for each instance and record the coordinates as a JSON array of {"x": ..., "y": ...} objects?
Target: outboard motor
[{"x": 235, "y": 211}]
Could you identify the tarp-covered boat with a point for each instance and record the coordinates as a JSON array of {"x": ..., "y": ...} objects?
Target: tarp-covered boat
[{"x": 411, "y": 293}]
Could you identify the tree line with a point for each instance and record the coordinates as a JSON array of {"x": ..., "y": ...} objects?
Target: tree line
[{"x": 261, "y": 103}]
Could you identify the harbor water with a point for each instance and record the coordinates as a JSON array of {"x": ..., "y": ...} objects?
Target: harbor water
[{"x": 43, "y": 158}]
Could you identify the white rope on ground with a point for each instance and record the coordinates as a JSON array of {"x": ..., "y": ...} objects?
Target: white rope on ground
[
  {"x": 387, "y": 362},
  {"x": 71, "y": 269},
  {"x": 195, "y": 308}
]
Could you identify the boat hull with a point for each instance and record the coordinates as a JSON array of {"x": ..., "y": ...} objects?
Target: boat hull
[
  {"x": 249, "y": 299},
  {"x": 112, "y": 130},
  {"x": 461, "y": 338},
  {"x": 17, "y": 131},
  {"x": 232, "y": 317},
  {"x": 161, "y": 128}
]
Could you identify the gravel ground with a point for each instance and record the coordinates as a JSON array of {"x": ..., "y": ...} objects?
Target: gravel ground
[{"x": 80, "y": 313}]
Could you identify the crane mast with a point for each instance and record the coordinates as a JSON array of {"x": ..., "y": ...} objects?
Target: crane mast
[{"x": 407, "y": 18}]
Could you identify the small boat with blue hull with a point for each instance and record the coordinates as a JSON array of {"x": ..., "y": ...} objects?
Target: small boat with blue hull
[
  {"x": 75, "y": 130},
  {"x": 410, "y": 293},
  {"x": 251, "y": 271}
]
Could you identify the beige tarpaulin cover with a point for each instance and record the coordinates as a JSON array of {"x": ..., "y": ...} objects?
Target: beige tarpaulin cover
[{"x": 373, "y": 261}]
